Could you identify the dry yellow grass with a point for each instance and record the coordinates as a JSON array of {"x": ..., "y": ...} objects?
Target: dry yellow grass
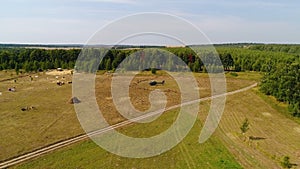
[
  {"x": 54, "y": 119},
  {"x": 279, "y": 135}
]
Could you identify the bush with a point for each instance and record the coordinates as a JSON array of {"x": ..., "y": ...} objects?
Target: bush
[
  {"x": 245, "y": 126},
  {"x": 234, "y": 74},
  {"x": 285, "y": 162},
  {"x": 153, "y": 71}
]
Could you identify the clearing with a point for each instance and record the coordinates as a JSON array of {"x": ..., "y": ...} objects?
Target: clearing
[{"x": 26, "y": 131}]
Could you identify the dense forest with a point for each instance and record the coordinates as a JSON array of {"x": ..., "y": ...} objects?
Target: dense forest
[
  {"x": 294, "y": 49},
  {"x": 279, "y": 63},
  {"x": 37, "y": 59}
]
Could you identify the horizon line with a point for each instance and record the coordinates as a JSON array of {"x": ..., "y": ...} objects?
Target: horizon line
[{"x": 165, "y": 45}]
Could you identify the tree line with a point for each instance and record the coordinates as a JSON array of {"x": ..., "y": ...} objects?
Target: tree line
[
  {"x": 279, "y": 63},
  {"x": 293, "y": 49},
  {"x": 283, "y": 82},
  {"x": 29, "y": 60},
  {"x": 37, "y": 59}
]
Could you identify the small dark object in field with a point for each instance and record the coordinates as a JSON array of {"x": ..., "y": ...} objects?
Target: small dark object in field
[
  {"x": 32, "y": 108},
  {"x": 256, "y": 138},
  {"x": 74, "y": 100},
  {"x": 70, "y": 82},
  {"x": 60, "y": 83},
  {"x": 12, "y": 89},
  {"x": 24, "y": 109},
  {"x": 234, "y": 74},
  {"x": 154, "y": 83},
  {"x": 28, "y": 108}
]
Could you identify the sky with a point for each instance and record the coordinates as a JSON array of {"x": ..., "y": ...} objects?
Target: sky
[{"x": 76, "y": 21}]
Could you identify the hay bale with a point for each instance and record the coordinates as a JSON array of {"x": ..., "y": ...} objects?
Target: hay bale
[
  {"x": 24, "y": 108},
  {"x": 12, "y": 89},
  {"x": 60, "y": 83},
  {"x": 32, "y": 108},
  {"x": 74, "y": 100},
  {"x": 28, "y": 108},
  {"x": 152, "y": 83}
]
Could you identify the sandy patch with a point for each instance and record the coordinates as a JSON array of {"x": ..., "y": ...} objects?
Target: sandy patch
[
  {"x": 266, "y": 114},
  {"x": 231, "y": 136},
  {"x": 297, "y": 129},
  {"x": 108, "y": 98},
  {"x": 200, "y": 88},
  {"x": 59, "y": 73},
  {"x": 297, "y": 153}
]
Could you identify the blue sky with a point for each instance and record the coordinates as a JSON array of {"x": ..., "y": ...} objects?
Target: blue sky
[{"x": 75, "y": 21}]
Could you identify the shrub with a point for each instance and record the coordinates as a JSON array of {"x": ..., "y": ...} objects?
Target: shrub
[
  {"x": 153, "y": 71},
  {"x": 234, "y": 74},
  {"x": 285, "y": 162}
]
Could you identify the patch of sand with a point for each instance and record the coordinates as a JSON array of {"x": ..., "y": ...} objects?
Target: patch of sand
[
  {"x": 297, "y": 129},
  {"x": 59, "y": 73},
  {"x": 231, "y": 136},
  {"x": 266, "y": 114}
]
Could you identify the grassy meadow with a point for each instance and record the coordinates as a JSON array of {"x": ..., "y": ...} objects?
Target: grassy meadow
[{"x": 54, "y": 119}]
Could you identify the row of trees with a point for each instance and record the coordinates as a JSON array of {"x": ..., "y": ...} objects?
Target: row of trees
[
  {"x": 255, "y": 60},
  {"x": 41, "y": 59},
  {"x": 280, "y": 63},
  {"x": 37, "y": 59},
  {"x": 283, "y": 82},
  {"x": 172, "y": 59},
  {"x": 281, "y": 67},
  {"x": 232, "y": 58},
  {"x": 293, "y": 49}
]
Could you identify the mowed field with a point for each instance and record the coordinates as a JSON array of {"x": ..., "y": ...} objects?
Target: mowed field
[
  {"x": 51, "y": 120},
  {"x": 54, "y": 119}
]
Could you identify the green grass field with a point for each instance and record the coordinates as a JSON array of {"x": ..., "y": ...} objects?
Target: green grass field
[{"x": 188, "y": 154}]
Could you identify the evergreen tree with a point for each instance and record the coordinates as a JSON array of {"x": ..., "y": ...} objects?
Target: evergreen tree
[
  {"x": 17, "y": 69},
  {"x": 108, "y": 64},
  {"x": 245, "y": 126}
]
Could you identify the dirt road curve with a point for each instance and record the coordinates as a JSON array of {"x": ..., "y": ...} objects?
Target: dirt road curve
[{"x": 65, "y": 143}]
